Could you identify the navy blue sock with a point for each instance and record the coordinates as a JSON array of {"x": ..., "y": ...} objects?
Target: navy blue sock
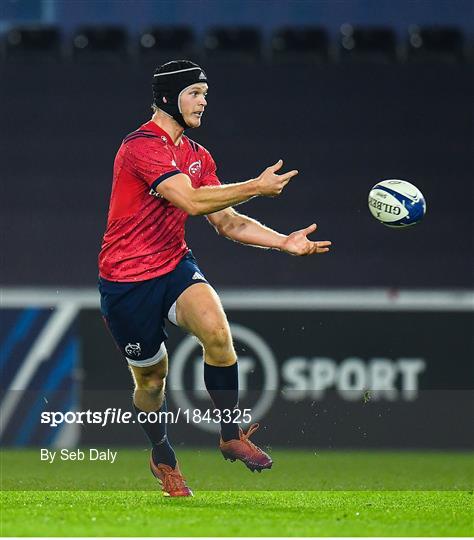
[
  {"x": 222, "y": 383},
  {"x": 162, "y": 451}
]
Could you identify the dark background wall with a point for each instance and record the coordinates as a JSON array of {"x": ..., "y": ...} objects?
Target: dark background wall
[
  {"x": 297, "y": 414},
  {"x": 343, "y": 126}
]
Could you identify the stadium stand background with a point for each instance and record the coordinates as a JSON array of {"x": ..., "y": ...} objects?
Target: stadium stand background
[
  {"x": 344, "y": 125},
  {"x": 137, "y": 15},
  {"x": 344, "y": 121}
]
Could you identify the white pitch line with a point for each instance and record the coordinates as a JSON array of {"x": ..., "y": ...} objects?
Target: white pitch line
[{"x": 40, "y": 351}]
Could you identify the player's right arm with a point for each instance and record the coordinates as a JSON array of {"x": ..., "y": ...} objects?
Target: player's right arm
[{"x": 178, "y": 190}]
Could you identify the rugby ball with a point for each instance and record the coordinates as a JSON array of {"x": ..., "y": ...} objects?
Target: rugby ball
[{"x": 396, "y": 203}]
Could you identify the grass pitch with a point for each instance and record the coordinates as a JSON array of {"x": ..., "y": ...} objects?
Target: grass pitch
[{"x": 306, "y": 494}]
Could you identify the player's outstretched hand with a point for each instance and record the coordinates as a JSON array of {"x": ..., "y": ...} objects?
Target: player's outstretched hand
[
  {"x": 297, "y": 243},
  {"x": 271, "y": 184}
]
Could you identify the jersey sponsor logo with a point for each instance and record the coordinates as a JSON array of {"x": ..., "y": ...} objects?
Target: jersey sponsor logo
[
  {"x": 197, "y": 275},
  {"x": 195, "y": 168},
  {"x": 155, "y": 193},
  {"x": 133, "y": 349}
]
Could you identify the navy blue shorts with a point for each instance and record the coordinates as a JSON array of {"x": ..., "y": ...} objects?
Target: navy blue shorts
[{"x": 135, "y": 312}]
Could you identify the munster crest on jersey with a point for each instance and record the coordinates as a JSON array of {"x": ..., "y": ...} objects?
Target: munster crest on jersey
[{"x": 195, "y": 168}]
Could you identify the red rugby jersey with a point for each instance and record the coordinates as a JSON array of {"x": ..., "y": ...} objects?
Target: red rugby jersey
[{"x": 145, "y": 233}]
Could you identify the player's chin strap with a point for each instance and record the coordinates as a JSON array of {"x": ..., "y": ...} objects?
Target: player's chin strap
[
  {"x": 169, "y": 85},
  {"x": 183, "y": 123}
]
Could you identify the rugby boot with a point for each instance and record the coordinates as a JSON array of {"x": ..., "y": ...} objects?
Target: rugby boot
[
  {"x": 244, "y": 449},
  {"x": 172, "y": 481}
]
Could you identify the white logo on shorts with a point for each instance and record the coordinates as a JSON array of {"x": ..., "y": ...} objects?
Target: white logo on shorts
[
  {"x": 197, "y": 275},
  {"x": 133, "y": 349}
]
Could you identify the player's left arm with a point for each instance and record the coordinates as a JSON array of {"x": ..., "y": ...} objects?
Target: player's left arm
[{"x": 245, "y": 230}]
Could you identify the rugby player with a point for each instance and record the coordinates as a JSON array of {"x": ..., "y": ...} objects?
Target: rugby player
[{"x": 149, "y": 275}]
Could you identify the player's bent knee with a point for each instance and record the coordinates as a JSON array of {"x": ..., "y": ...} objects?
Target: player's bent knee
[
  {"x": 218, "y": 348},
  {"x": 151, "y": 379},
  {"x": 218, "y": 338},
  {"x": 151, "y": 385}
]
